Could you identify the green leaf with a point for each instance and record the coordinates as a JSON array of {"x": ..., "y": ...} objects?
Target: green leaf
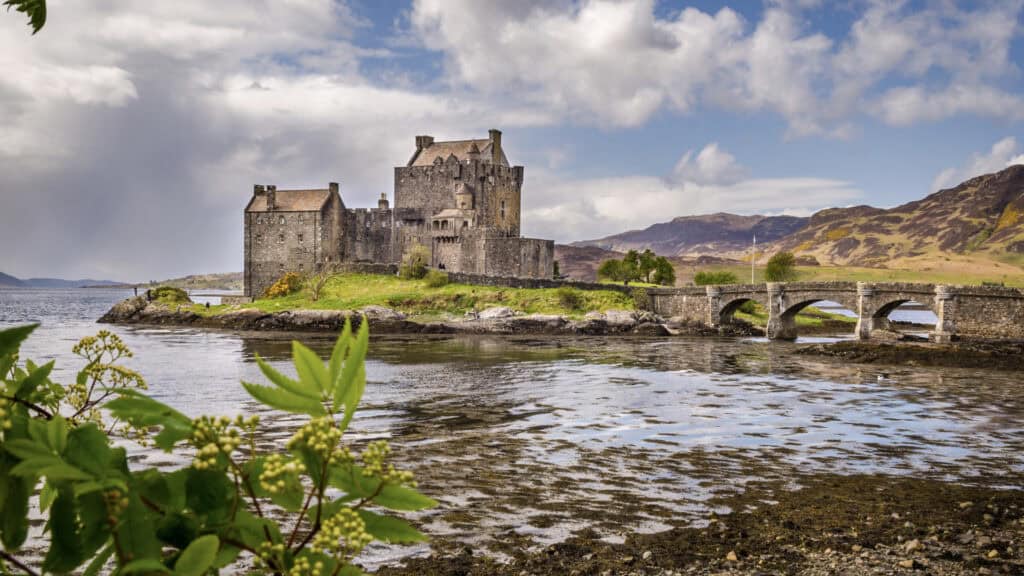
[
  {"x": 198, "y": 557},
  {"x": 391, "y": 530},
  {"x": 99, "y": 561},
  {"x": 352, "y": 480},
  {"x": 92, "y": 510},
  {"x": 210, "y": 494},
  {"x": 352, "y": 381},
  {"x": 11, "y": 339},
  {"x": 136, "y": 532},
  {"x": 309, "y": 367},
  {"x": 47, "y": 495},
  {"x": 145, "y": 566},
  {"x": 142, "y": 411},
  {"x": 14, "y": 522},
  {"x": 338, "y": 354},
  {"x": 284, "y": 400},
  {"x": 89, "y": 450},
  {"x": 34, "y": 9},
  {"x": 286, "y": 383},
  {"x": 177, "y": 530},
  {"x": 65, "y": 550},
  {"x": 33, "y": 380}
]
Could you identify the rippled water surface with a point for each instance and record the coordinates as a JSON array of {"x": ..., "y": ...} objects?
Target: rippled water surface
[{"x": 525, "y": 440}]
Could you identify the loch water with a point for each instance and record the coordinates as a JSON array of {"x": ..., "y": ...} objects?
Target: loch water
[{"x": 528, "y": 439}]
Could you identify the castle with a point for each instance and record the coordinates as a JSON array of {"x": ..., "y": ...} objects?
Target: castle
[{"x": 461, "y": 199}]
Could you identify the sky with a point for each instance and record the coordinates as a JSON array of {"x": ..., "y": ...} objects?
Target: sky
[{"x": 132, "y": 131}]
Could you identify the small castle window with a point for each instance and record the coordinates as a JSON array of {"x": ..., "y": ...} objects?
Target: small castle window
[
  {"x": 280, "y": 238},
  {"x": 301, "y": 267},
  {"x": 502, "y": 209},
  {"x": 259, "y": 239},
  {"x": 281, "y": 220},
  {"x": 281, "y": 267},
  {"x": 465, "y": 224},
  {"x": 300, "y": 238}
]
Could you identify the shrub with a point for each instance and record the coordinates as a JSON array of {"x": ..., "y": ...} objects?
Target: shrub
[
  {"x": 713, "y": 277},
  {"x": 781, "y": 268},
  {"x": 305, "y": 504},
  {"x": 748, "y": 307},
  {"x": 290, "y": 283},
  {"x": 169, "y": 295},
  {"x": 436, "y": 279},
  {"x": 571, "y": 298},
  {"x": 414, "y": 263},
  {"x": 641, "y": 299}
]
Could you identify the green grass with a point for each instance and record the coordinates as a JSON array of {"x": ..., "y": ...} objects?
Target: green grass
[
  {"x": 417, "y": 299},
  {"x": 809, "y": 316},
  {"x": 1011, "y": 277}
]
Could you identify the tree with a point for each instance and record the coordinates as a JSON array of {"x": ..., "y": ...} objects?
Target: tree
[
  {"x": 610, "y": 270},
  {"x": 664, "y": 272},
  {"x": 648, "y": 264},
  {"x": 781, "y": 268},
  {"x": 709, "y": 277},
  {"x": 34, "y": 9},
  {"x": 415, "y": 262}
]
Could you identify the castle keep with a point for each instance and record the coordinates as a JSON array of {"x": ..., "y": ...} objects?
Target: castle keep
[{"x": 461, "y": 199}]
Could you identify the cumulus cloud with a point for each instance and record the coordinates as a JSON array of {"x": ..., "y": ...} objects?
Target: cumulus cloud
[
  {"x": 615, "y": 62},
  {"x": 708, "y": 181},
  {"x": 1005, "y": 152}
]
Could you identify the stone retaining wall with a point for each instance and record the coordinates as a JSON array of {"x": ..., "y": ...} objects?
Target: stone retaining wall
[{"x": 514, "y": 282}]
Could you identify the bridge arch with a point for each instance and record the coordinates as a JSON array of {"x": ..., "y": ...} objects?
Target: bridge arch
[
  {"x": 782, "y": 323},
  {"x": 731, "y": 304},
  {"x": 880, "y": 315}
]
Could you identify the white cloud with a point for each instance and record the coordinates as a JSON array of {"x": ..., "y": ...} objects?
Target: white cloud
[
  {"x": 1003, "y": 153},
  {"x": 614, "y": 62},
  {"x": 711, "y": 181},
  {"x": 711, "y": 165}
]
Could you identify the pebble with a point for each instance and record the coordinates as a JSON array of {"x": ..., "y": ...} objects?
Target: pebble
[
  {"x": 993, "y": 553},
  {"x": 646, "y": 555},
  {"x": 964, "y": 505},
  {"x": 731, "y": 556},
  {"x": 913, "y": 545}
]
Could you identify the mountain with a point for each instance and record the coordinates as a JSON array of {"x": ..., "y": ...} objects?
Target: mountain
[
  {"x": 977, "y": 225},
  {"x": 8, "y": 281},
  {"x": 696, "y": 235},
  {"x": 982, "y": 218}
]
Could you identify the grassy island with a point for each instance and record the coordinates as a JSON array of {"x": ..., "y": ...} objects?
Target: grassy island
[{"x": 419, "y": 300}]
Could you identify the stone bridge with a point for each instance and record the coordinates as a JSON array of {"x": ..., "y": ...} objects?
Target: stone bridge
[{"x": 962, "y": 311}]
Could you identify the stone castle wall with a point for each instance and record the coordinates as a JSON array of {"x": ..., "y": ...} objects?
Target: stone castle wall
[
  {"x": 281, "y": 242},
  {"x": 368, "y": 235}
]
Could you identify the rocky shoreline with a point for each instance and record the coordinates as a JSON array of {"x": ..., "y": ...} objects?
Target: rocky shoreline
[
  {"x": 967, "y": 354},
  {"x": 498, "y": 321},
  {"x": 851, "y": 525}
]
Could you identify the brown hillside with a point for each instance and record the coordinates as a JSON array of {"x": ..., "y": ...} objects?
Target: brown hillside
[{"x": 980, "y": 217}]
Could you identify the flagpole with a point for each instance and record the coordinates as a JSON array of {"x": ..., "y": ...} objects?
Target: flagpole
[{"x": 753, "y": 258}]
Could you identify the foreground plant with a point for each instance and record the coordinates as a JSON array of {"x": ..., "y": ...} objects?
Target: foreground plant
[{"x": 304, "y": 509}]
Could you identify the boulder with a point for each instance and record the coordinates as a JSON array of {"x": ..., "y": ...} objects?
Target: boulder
[
  {"x": 651, "y": 329},
  {"x": 381, "y": 313},
  {"x": 124, "y": 311},
  {"x": 496, "y": 313},
  {"x": 620, "y": 318},
  {"x": 534, "y": 323}
]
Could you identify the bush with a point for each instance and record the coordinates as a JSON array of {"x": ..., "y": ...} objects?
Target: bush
[
  {"x": 414, "y": 263},
  {"x": 714, "y": 277},
  {"x": 748, "y": 307},
  {"x": 436, "y": 279},
  {"x": 234, "y": 507},
  {"x": 571, "y": 298},
  {"x": 641, "y": 299},
  {"x": 169, "y": 295},
  {"x": 781, "y": 268},
  {"x": 290, "y": 283}
]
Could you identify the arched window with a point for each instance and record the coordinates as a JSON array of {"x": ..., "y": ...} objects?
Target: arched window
[
  {"x": 281, "y": 219},
  {"x": 502, "y": 209}
]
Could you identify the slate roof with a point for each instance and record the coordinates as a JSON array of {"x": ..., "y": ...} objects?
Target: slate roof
[
  {"x": 291, "y": 201},
  {"x": 460, "y": 148}
]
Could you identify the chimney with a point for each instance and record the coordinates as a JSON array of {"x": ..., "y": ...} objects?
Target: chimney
[
  {"x": 271, "y": 197},
  {"x": 382, "y": 204},
  {"x": 424, "y": 142},
  {"x": 258, "y": 190},
  {"x": 495, "y": 138},
  {"x": 334, "y": 188}
]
